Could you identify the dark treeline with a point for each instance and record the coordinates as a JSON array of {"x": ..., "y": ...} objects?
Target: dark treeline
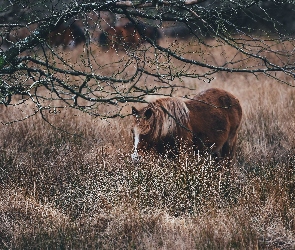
[{"x": 213, "y": 18}]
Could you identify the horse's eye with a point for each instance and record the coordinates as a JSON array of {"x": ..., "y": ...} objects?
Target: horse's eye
[
  {"x": 132, "y": 131},
  {"x": 148, "y": 113}
]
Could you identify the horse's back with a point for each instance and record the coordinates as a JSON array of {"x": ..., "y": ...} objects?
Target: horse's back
[
  {"x": 215, "y": 117},
  {"x": 120, "y": 37},
  {"x": 220, "y": 102}
]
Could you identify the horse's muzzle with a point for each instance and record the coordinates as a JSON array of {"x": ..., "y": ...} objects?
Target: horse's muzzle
[{"x": 135, "y": 157}]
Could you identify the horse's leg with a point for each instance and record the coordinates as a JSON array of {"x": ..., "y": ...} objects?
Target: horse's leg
[
  {"x": 225, "y": 151},
  {"x": 229, "y": 149},
  {"x": 233, "y": 147}
]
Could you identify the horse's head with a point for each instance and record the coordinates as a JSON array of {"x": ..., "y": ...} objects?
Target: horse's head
[{"x": 142, "y": 130}]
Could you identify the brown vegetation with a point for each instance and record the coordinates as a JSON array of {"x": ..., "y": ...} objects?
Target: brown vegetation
[{"x": 74, "y": 186}]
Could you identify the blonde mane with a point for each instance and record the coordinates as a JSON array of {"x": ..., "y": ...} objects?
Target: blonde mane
[{"x": 171, "y": 113}]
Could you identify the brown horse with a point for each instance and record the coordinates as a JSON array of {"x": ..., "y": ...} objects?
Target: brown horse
[
  {"x": 120, "y": 37},
  {"x": 210, "y": 121},
  {"x": 17, "y": 34},
  {"x": 128, "y": 36},
  {"x": 66, "y": 35}
]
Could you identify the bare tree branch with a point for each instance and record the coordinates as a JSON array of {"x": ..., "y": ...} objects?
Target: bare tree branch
[
  {"x": 157, "y": 3},
  {"x": 167, "y": 42}
]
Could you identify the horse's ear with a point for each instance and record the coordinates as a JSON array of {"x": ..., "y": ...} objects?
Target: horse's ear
[
  {"x": 148, "y": 113},
  {"x": 134, "y": 111}
]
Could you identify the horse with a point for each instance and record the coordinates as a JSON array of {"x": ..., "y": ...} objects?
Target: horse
[
  {"x": 150, "y": 32},
  {"x": 128, "y": 36},
  {"x": 16, "y": 34},
  {"x": 209, "y": 121},
  {"x": 120, "y": 37},
  {"x": 66, "y": 35}
]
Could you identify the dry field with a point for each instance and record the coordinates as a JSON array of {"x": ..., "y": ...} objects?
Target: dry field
[{"x": 73, "y": 186}]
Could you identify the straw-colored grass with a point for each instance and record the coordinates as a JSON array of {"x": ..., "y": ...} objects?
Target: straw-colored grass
[{"x": 73, "y": 186}]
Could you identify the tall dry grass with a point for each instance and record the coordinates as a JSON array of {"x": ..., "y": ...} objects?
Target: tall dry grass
[{"x": 73, "y": 186}]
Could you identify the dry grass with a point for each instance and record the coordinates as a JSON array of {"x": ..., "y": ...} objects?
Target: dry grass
[{"x": 75, "y": 187}]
